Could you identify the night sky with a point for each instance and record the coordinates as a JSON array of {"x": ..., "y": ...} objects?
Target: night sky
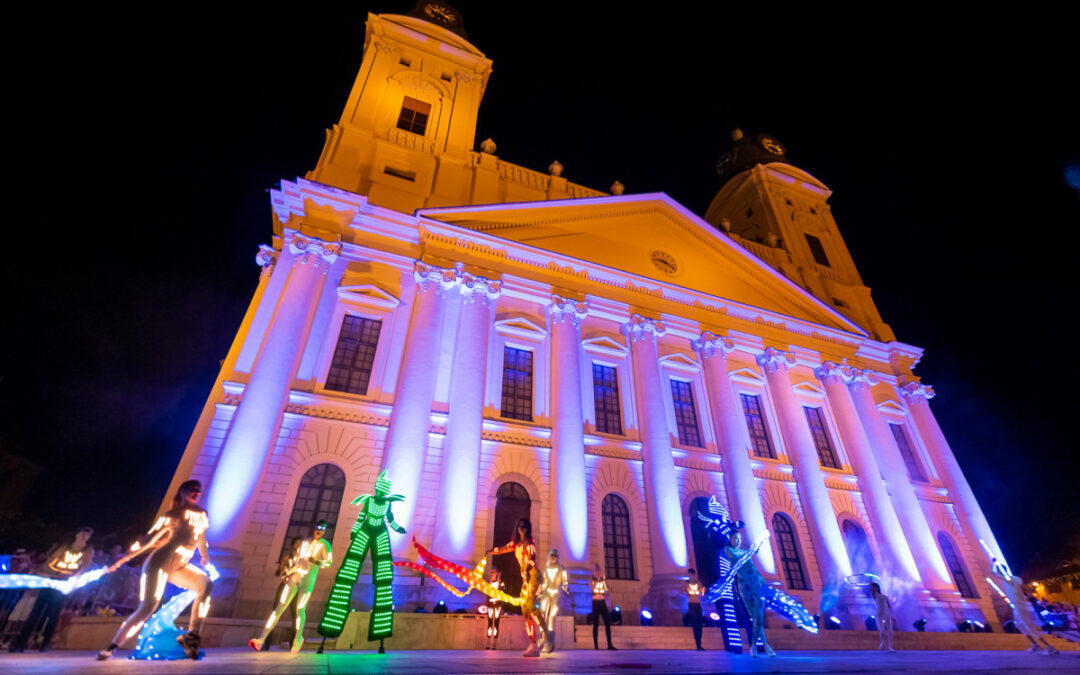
[{"x": 138, "y": 160}]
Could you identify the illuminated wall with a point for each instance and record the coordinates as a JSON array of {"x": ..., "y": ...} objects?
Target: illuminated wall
[{"x": 460, "y": 255}]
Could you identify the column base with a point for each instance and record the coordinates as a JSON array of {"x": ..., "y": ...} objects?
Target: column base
[{"x": 665, "y": 600}]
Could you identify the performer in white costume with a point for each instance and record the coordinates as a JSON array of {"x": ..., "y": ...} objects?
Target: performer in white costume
[{"x": 555, "y": 582}]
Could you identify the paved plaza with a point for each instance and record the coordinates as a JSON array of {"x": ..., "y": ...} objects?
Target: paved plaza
[{"x": 237, "y": 660}]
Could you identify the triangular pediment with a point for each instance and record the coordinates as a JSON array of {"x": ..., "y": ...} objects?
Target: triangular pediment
[
  {"x": 808, "y": 388},
  {"x": 650, "y": 236},
  {"x": 368, "y": 294},
  {"x": 680, "y": 361},
  {"x": 891, "y": 408},
  {"x": 746, "y": 374},
  {"x": 520, "y": 326},
  {"x": 606, "y": 345}
]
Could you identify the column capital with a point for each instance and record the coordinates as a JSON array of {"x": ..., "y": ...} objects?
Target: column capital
[
  {"x": 266, "y": 257},
  {"x": 773, "y": 359},
  {"x": 431, "y": 278},
  {"x": 915, "y": 390},
  {"x": 567, "y": 309},
  {"x": 312, "y": 249},
  {"x": 857, "y": 377},
  {"x": 710, "y": 345},
  {"x": 640, "y": 328},
  {"x": 478, "y": 289}
]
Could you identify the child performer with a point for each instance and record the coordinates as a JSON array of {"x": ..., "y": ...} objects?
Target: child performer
[
  {"x": 749, "y": 582},
  {"x": 600, "y": 607},
  {"x": 884, "y": 616},
  {"x": 303, "y": 570},
  {"x": 555, "y": 581},
  {"x": 693, "y": 589},
  {"x": 172, "y": 542},
  {"x": 524, "y": 549},
  {"x": 494, "y": 611}
]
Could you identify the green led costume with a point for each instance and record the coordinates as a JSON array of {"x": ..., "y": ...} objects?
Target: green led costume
[{"x": 369, "y": 532}]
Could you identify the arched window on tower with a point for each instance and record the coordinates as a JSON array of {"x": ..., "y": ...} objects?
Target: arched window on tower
[
  {"x": 790, "y": 559},
  {"x": 618, "y": 545},
  {"x": 317, "y": 498},
  {"x": 956, "y": 567}
]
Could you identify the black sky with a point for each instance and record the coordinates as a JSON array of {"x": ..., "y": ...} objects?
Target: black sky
[{"x": 139, "y": 149}]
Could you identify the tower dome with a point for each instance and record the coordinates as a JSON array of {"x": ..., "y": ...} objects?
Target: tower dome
[{"x": 747, "y": 152}]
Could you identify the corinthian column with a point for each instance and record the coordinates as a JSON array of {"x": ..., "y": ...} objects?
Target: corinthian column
[
  {"x": 571, "y": 526},
  {"x": 935, "y": 576},
  {"x": 918, "y": 397},
  {"x": 744, "y": 500},
  {"x": 898, "y": 561},
  {"x": 410, "y": 420},
  {"x": 257, "y": 420},
  {"x": 817, "y": 506},
  {"x": 667, "y": 537},
  {"x": 455, "y": 518}
]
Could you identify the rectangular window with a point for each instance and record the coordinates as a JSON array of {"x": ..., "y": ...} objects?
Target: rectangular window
[
  {"x": 605, "y": 382},
  {"x": 517, "y": 384},
  {"x": 414, "y": 116},
  {"x": 817, "y": 250},
  {"x": 915, "y": 471},
  {"x": 682, "y": 395},
  {"x": 350, "y": 369},
  {"x": 821, "y": 439},
  {"x": 755, "y": 423}
]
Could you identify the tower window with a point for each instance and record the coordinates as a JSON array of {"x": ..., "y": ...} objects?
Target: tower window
[
  {"x": 817, "y": 250},
  {"x": 517, "y": 384},
  {"x": 405, "y": 61},
  {"x": 414, "y": 116}
]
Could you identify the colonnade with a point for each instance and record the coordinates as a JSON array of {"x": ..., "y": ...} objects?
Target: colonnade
[{"x": 900, "y": 527}]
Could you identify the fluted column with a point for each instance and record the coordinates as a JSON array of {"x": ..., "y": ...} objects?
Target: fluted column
[
  {"x": 571, "y": 527},
  {"x": 918, "y": 397},
  {"x": 410, "y": 420},
  {"x": 898, "y": 563},
  {"x": 455, "y": 517},
  {"x": 257, "y": 419},
  {"x": 817, "y": 505},
  {"x": 932, "y": 569},
  {"x": 744, "y": 500}
]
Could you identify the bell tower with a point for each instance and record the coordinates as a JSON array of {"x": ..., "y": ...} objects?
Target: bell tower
[
  {"x": 781, "y": 214},
  {"x": 407, "y": 131}
]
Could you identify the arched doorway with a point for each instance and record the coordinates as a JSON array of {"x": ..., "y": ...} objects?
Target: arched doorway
[
  {"x": 511, "y": 504},
  {"x": 858, "y": 548}
]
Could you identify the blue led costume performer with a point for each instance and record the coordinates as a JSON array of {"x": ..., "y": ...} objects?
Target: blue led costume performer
[
  {"x": 369, "y": 532},
  {"x": 300, "y": 576},
  {"x": 719, "y": 525},
  {"x": 171, "y": 542}
]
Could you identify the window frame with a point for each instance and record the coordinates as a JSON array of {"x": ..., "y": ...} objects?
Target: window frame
[
  {"x": 677, "y": 383},
  {"x": 306, "y": 525},
  {"x": 949, "y": 550},
  {"x": 614, "y": 395},
  {"x": 760, "y": 396},
  {"x": 614, "y": 546},
  {"x": 413, "y": 105},
  {"x": 793, "y": 532},
  {"x": 385, "y": 309},
  {"x": 830, "y": 445},
  {"x": 531, "y": 354}
]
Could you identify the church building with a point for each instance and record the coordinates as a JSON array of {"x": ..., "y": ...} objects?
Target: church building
[{"x": 507, "y": 343}]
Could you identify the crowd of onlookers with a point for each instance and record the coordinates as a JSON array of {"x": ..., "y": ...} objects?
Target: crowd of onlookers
[{"x": 1056, "y": 615}]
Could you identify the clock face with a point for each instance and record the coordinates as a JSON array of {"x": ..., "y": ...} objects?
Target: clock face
[
  {"x": 665, "y": 262},
  {"x": 440, "y": 13},
  {"x": 772, "y": 145}
]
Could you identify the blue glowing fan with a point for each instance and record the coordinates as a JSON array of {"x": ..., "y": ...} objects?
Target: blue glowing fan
[{"x": 157, "y": 639}]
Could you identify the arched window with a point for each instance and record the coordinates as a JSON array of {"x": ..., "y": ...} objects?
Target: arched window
[
  {"x": 858, "y": 548},
  {"x": 618, "y": 547},
  {"x": 790, "y": 559},
  {"x": 956, "y": 567},
  {"x": 317, "y": 498},
  {"x": 512, "y": 503}
]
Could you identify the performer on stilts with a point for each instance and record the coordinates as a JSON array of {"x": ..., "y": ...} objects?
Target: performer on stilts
[
  {"x": 600, "y": 593},
  {"x": 524, "y": 549},
  {"x": 555, "y": 581},
  {"x": 171, "y": 542},
  {"x": 750, "y": 584},
  {"x": 494, "y": 611},
  {"x": 369, "y": 532},
  {"x": 313, "y": 555}
]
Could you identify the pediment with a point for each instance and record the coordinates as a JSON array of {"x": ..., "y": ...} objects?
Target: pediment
[
  {"x": 748, "y": 374},
  {"x": 605, "y": 345},
  {"x": 891, "y": 407},
  {"x": 368, "y": 294},
  {"x": 680, "y": 361},
  {"x": 808, "y": 388},
  {"x": 650, "y": 236},
  {"x": 521, "y": 327}
]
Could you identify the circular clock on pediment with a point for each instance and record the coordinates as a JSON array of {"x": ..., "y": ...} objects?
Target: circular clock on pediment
[
  {"x": 665, "y": 262},
  {"x": 441, "y": 13},
  {"x": 772, "y": 145}
]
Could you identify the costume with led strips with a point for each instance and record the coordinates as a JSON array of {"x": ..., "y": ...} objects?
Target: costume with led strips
[
  {"x": 494, "y": 611},
  {"x": 171, "y": 543},
  {"x": 300, "y": 574},
  {"x": 598, "y": 584},
  {"x": 719, "y": 526},
  {"x": 750, "y": 585},
  {"x": 555, "y": 581},
  {"x": 369, "y": 532},
  {"x": 693, "y": 590},
  {"x": 524, "y": 549}
]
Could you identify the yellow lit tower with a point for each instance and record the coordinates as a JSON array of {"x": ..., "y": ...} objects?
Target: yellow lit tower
[
  {"x": 781, "y": 214},
  {"x": 405, "y": 138}
]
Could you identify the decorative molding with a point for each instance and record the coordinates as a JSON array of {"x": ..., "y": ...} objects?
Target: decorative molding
[
  {"x": 773, "y": 360},
  {"x": 640, "y": 328},
  {"x": 515, "y": 439},
  {"x": 567, "y": 310},
  {"x": 312, "y": 249},
  {"x": 915, "y": 390},
  {"x": 431, "y": 278},
  {"x": 520, "y": 326},
  {"x": 604, "y": 345},
  {"x": 615, "y": 453},
  {"x": 857, "y": 377},
  {"x": 698, "y": 464},
  {"x": 772, "y": 474},
  {"x": 834, "y": 484},
  {"x": 336, "y": 414},
  {"x": 710, "y": 345},
  {"x": 368, "y": 294},
  {"x": 479, "y": 289},
  {"x": 266, "y": 258}
]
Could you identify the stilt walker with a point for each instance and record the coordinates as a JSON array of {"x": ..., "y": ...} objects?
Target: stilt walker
[
  {"x": 369, "y": 532},
  {"x": 314, "y": 554}
]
